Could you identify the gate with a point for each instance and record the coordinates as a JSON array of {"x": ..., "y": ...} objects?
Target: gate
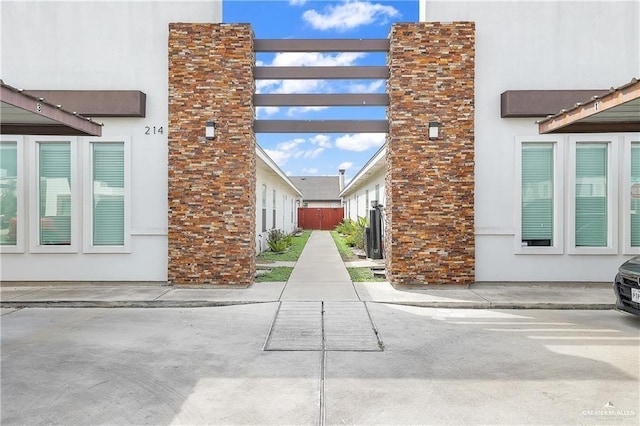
[{"x": 325, "y": 218}]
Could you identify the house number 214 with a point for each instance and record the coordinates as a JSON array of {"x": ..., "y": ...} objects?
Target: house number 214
[{"x": 153, "y": 130}]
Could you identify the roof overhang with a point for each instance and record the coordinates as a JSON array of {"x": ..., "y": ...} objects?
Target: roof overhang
[
  {"x": 24, "y": 114},
  {"x": 375, "y": 164},
  {"x": 616, "y": 111},
  {"x": 273, "y": 167}
]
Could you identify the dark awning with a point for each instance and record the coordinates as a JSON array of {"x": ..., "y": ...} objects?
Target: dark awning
[
  {"x": 24, "y": 114},
  {"x": 616, "y": 111}
]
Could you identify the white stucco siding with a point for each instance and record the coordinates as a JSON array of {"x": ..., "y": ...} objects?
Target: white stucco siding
[
  {"x": 537, "y": 45},
  {"x": 357, "y": 196},
  {"x": 287, "y": 201},
  {"x": 103, "y": 46}
]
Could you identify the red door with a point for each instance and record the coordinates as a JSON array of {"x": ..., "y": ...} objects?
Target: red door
[{"x": 322, "y": 218}]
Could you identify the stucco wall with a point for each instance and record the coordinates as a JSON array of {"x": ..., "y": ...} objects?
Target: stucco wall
[
  {"x": 536, "y": 45},
  {"x": 286, "y": 199},
  {"x": 103, "y": 46}
]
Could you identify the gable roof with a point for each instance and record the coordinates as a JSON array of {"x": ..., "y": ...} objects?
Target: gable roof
[{"x": 318, "y": 188}]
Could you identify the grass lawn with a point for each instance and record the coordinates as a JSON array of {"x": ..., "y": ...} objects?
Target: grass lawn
[
  {"x": 290, "y": 255},
  {"x": 279, "y": 273},
  {"x": 362, "y": 275},
  {"x": 343, "y": 248}
]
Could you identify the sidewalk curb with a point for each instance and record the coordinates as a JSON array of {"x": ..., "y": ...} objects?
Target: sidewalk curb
[{"x": 210, "y": 304}]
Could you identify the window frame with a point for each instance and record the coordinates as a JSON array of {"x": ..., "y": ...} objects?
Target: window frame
[
  {"x": 264, "y": 207},
  {"x": 628, "y": 141},
  {"x": 21, "y": 217},
  {"x": 274, "y": 212},
  {"x": 558, "y": 196},
  {"x": 87, "y": 235},
  {"x": 34, "y": 196},
  {"x": 612, "y": 194}
]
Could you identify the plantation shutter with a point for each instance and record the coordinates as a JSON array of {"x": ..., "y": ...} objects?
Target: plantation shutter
[
  {"x": 537, "y": 194},
  {"x": 635, "y": 202},
  {"x": 54, "y": 161},
  {"x": 591, "y": 195},
  {"x": 108, "y": 194},
  {"x": 8, "y": 192}
]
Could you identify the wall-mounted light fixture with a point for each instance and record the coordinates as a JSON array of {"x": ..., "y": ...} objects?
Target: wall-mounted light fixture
[
  {"x": 433, "y": 129},
  {"x": 210, "y": 130}
]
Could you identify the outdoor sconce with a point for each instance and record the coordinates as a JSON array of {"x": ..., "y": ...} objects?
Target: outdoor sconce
[
  {"x": 433, "y": 129},
  {"x": 210, "y": 130}
]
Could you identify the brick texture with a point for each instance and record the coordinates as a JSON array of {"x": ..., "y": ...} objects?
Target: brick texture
[
  {"x": 211, "y": 182},
  {"x": 430, "y": 183}
]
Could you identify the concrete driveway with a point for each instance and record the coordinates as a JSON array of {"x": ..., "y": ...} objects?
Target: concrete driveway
[{"x": 208, "y": 366}]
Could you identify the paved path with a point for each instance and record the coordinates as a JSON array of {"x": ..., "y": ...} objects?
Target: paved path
[
  {"x": 320, "y": 309},
  {"x": 320, "y": 273}
]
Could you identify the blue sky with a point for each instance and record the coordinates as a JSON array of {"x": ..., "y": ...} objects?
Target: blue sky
[{"x": 320, "y": 154}]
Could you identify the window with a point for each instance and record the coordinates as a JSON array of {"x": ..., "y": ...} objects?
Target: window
[
  {"x": 11, "y": 198},
  {"x": 366, "y": 200},
  {"x": 264, "y": 208},
  {"x": 635, "y": 194},
  {"x": 631, "y": 195},
  {"x": 55, "y": 193},
  {"x": 273, "y": 207},
  {"x": 537, "y": 194},
  {"x": 54, "y": 199},
  {"x": 593, "y": 197},
  {"x": 378, "y": 194}
]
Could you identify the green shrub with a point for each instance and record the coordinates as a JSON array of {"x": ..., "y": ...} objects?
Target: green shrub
[
  {"x": 278, "y": 240},
  {"x": 278, "y": 246},
  {"x": 346, "y": 227},
  {"x": 353, "y": 231},
  {"x": 359, "y": 233}
]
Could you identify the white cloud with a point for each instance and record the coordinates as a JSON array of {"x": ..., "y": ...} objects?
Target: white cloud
[
  {"x": 297, "y": 2},
  {"x": 292, "y": 112},
  {"x": 349, "y": 15},
  {"x": 311, "y": 171},
  {"x": 360, "y": 141},
  {"x": 266, "y": 111},
  {"x": 280, "y": 157},
  {"x": 295, "y": 148},
  {"x": 315, "y": 59},
  {"x": 321, "y": 140},
  {"x": 290, "y": 145},
  {"x": 372, "y": 87},
  {"x": 313, "y": 153},
  {"x": 345, "y": 166}
]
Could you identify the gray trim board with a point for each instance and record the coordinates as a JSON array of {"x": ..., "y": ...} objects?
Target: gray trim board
[
  {"x": 97, "y": 103},
  {"x": 321, "y": 126},
  {"x": 322, "y": 100},
  {"x": 323, "y": 73},
  {"x": 321, "y": 45},
  {"x": 541, "y": 103}
]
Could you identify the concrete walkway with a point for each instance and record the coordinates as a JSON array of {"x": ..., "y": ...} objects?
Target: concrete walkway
[
  {"x": 317, "y": 350},
  {"x": 319, "y": 275}
]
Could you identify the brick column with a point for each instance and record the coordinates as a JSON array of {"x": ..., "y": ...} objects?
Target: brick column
[
  {"x": 211, "y": 182},
  {"x": 430, "y": 183}
]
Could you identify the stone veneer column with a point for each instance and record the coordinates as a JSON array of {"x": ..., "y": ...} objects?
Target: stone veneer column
[
  {"x": 430, "y": 183},
  {"x": 211, "y": 182}
]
